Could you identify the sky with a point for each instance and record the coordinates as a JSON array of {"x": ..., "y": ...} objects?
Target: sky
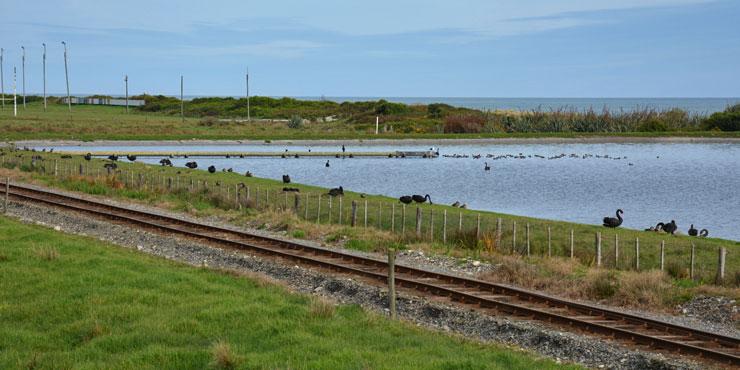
[{"x": 430, "y": 48}]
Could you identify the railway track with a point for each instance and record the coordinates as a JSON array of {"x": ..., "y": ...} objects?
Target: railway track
[{"x": 631, "y": 329}]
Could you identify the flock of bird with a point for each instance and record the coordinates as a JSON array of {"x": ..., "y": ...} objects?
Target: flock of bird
[
  {"x": 494, "y": 157},
  {"x": 666, "y": 227}
]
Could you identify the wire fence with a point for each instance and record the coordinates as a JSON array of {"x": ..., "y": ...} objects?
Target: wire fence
[{"x": 681, "y": 257}]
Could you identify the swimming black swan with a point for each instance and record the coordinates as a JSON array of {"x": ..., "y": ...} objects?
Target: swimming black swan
[
  {"x": 421, "y": 199},
  {"x": 336, "y": 191},
  {"x": 614, "y": 221},
  {"x": 692, "y": 231},
  {"x": 670, "y": 227},
  {"x": 286, "y": 179},
  {"x": 327, "y": 164},
  {"x": 212, "y": 169},
  {"x": 191, "y": 165},
  {"x": 704, "y": 233},
  {"x": 131, "y": 158},
  {"x": 113, "y": 157},
  {"x": 88, "y": 156},
  {"x": 405, "y": 199},
  {"x": 487, "y": 167},
  {"x": 165, "y": 162}
]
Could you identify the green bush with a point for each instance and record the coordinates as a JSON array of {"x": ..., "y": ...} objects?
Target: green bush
[
  {"x": 729, "y": 120},
  {"x": 652, "y": 125},
  {"x": 295, "y": 122}
]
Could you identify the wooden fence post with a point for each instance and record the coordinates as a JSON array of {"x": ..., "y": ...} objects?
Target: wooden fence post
[
  {"x": 7, "y": 193},
  {"x": 616, "y": 251},
  {"x": 513, "y": 237},
  {"x": 318, "y": 209},
  {"x": 341, "y": 199},
  {"x": 444, "y": 226},
  {"x": 693, "y": 258},
  {"x": 418, "y": 222},
  {"x": 527, "y": 239},
  {"x": 431, "y": 225},
  {"x": 662, "y": 255},
  {"x": 721, "y": 265},
  {"x": 598, "y": 249},
  {"x": 459, "y": 223},
  {"x": 403, "y": 219},
  {"x": 572, "y": 244},
  {"x": 307, "y": 204},
  {"x": 365, "y": 213},
  {"x": 297, "y": 203},
  {"x": 380, "y": 215},
  {"x": 477, "y": 228},
  {"x": 330, "y": 206},
  {"x": 637, "y": 253},
  {"x": 498, "y": 232},
  {"x": 393, "y": 217},
  {"x": 392, "y": 281},
  {"x": 353, "y": 220},
  {"x": 549, "y": 242}
]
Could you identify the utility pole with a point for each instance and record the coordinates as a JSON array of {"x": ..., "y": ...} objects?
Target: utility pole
[
  {"x": 66, "y": 77},
  {"x": 44, "y": 59},
  {"x": 15, "y": 101},
  {"x": 125, "y": 79},
  {"x": 182, "y": 99},
  {"x": 2, "y": 82},
  {"x": 23, "y": 73},
  {"x": 249, "y": 117}
]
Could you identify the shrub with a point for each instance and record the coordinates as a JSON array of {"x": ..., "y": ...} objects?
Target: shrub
[
  {"x": 652, "y": 125},
  {"x": 602, "y": 284},
  {"x": 464, "y": 123},
  {"x": 387, "y": 108},
  {"x": 208, "y": 121},
  {"x": 295, "y": 122},
  {"x": 223, "y": 357},
  {"x": 320, "y": 309},
  {"x": 729, "y": 120}
]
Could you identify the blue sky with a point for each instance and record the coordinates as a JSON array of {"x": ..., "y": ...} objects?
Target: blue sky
[{"x": 494, "y": 48}]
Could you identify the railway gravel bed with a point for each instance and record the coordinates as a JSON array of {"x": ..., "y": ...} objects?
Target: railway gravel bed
[{"x": 539, "y": 338}]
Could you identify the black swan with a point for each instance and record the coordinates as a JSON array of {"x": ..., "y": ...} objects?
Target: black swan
[
  {"x": 456, "y": 204},
  {"x": 295, "y": 190},
  {"x": 131, "y": 158},
  {"x": 421, "y": 199},
  {"x": 614, "y": 221},
  {"x": 487, "y": 167},
  {"x": 113, "y": 157},
  {"x": 88, "y": 156},
  {"x": 670, "y": 227},
  {"x": 248, "y": 174},
  {"x": 286, "y": 179},
  {"x": 327, "y": 164},
  {"x": 191, "y": 165},
  {"x": 692, "y": 231},
  {"x": 704, "y": 233},
  {"x": 336, "y": 191},
  {"x": 212, "y": 169},
  {"x": 405, "y": 199},
  {"x": 165, "y": 162}
]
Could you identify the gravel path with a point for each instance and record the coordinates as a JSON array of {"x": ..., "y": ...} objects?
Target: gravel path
[{"x": 539, "y": 338}]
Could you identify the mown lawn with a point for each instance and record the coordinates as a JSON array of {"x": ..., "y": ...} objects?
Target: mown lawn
[{"x": 74, "y": 302}]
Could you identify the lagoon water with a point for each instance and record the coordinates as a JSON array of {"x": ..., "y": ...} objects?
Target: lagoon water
[{"x": 689, "y": 182}]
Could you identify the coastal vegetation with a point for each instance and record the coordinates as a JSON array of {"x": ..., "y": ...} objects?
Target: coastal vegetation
[
  {"x": 287, "y": 118},
  {"x": 75, "y": 302},
  {"x": 527, "y": 261}
]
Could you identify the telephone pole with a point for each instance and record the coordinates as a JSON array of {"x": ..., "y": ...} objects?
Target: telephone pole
[
  {"x": 2, "y": 82},
  {"x": 125, "y": 79},
  {"x": 182, "y": 99},
  {"x": 15, "y": 101},
  {"x": 66, "y": 77},
  {"x": 23, "y": 72},
  {"x": 44, "y": 59},
  {"x": 249, "y": 117}
]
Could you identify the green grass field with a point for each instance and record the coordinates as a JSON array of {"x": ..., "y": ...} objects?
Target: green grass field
[
  {"x": 73, "y": 302},
  {"x": 87, "y": 123}
]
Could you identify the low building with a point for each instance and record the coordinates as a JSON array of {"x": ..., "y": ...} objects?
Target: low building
[{"x": 105, "y": 101}]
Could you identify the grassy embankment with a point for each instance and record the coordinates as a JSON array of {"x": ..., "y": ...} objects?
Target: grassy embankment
[
  {"x": 616, "y": 283},
  {"x": 88, "y": 122},
  {"x": 73, "y": 302}
]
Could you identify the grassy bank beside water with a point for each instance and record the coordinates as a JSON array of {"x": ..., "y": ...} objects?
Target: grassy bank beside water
[
  {"x": 89, "y": 122},
  {"x": 529, "y": 261},
  {"x": 73, "y": 302}
]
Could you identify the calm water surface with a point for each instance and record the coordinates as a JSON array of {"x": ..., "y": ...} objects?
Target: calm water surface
[{"x": 691, "y": 183}]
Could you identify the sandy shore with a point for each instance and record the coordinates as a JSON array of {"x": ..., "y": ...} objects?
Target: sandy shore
[{"x": 433, "y": 142}]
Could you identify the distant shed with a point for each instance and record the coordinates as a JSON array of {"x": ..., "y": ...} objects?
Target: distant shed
[{"x": 102, "y": 101}]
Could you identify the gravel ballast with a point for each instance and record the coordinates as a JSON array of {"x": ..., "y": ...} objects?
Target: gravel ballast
[{"x": 542, "y": 339}]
